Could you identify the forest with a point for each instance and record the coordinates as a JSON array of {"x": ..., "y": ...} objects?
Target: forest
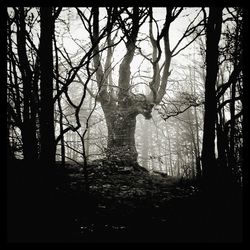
[{"x": 124, "y": 124}]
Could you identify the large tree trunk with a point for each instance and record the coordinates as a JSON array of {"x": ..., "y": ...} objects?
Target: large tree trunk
[
  {"x": 48, "y": 147},
  {"x": 121, "y": 136},
  {"x": 212, "y": 53}
]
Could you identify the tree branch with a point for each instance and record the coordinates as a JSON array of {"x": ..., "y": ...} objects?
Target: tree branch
[{"x": 232, "y": 79}]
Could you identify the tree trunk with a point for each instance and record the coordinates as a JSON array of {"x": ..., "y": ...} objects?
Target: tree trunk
[
  {"x": 232, "y": 161},
  {"x": 10, "y": 152},
  {"x": 152, "y": 151},
  {"x": 48, "y": 147},
  {"x": 197, "y": 160},
  {"x": 212, "y": 53},
  {"x": 87, "y": 141},
  {"x": 28, "y": 130},
  {"x": 192, "y": 159},
  {"x": 178, "y": 150},
  {"x": 121, "y": 136},
  {"x": 75, "y": 146},
  {"x": 61, "y": 132},
  {"x": 170, "y": 151},
  {"x": 159, "y": 150},
  {"x": 222, "y": 140},
  {"x": 145, "y": 148}
]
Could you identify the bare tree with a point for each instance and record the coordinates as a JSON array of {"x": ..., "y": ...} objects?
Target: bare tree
[
  {"x": 230, "y": 95},
  {"x": 213, "y": 33},
  {"x": 47, "y": 104},
  {"x": 120, "y": 105},
  {"x": 23, "y": 65}
]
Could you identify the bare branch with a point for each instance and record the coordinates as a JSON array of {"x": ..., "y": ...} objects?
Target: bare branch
[
  {"x": 124, "y": 70},
  {"x": 175, "y": 15},
  {"x": 57, "y": 13},
  {"x": 233, "y": 78},
  {"x": 191, "y": 41},
  {"x": 189, "y": 30},
  {"x": 221, "y": 105},
  {"x": 166, "y": 116}
]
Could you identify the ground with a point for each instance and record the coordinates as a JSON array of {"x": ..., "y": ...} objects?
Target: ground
[{"x": 124, "y": 204}]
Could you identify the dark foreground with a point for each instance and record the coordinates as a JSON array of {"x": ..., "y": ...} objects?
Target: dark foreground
[{"x": 124, "y": 204}]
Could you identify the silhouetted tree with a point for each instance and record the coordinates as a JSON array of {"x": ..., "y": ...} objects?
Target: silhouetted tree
[
  {"x": 23, "y": 71},
  {"x": 47, "y": 103},
  {"x": 213, "y": 33},
  {"x": 229, "y": 95}
]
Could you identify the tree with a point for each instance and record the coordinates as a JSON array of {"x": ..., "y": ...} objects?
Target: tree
[
  {"x": 213, "y": 33},
  {"x": 229, "y": 97},
  {"x": 119, "y": 102},
  {"x": 30, "y": 80},
  {"x": 23, "y": 76},
  {"x": 47, "y": 103}
]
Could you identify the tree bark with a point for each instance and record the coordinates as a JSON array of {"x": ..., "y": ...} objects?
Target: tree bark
[
  {"x": 121, "y": 136},
  {"x": 48, "y": 147},
  {"x": 145, "y": 147},
  {"x": 212, "y": 53},
  {"x": 28, "y": 130},
  {"x": 222, "y": 140}
]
